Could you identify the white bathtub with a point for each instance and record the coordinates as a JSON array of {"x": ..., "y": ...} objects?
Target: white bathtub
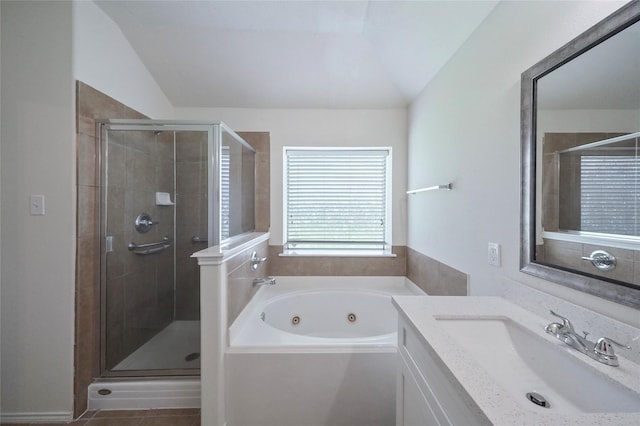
[
  {"x": 335, "y": 364},
  {"x": 321, "y": 311}
]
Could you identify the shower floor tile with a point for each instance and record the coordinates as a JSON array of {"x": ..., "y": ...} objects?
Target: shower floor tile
[{"x": 175, "y": 347}]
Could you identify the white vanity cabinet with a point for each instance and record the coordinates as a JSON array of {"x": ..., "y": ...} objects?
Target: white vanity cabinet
[{"x": 424, "y": 394}]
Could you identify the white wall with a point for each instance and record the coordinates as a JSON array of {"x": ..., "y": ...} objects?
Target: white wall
[
  {"x": 46, "y": 46},
  {"x": 38, "y": 157},
  {"x": 465, "y": 128},
  {"x": 321, "y": 127},
  {"x": 597, "y": 121},
  {"x": 105, "y": 60}
]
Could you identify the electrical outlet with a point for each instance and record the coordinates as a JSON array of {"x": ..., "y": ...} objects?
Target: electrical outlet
[{"x": 494, "y": 254}]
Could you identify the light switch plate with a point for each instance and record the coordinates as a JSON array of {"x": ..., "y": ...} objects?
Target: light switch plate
[{"x": 36, "y": 205}]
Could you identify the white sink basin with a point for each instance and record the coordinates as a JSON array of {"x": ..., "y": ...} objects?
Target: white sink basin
[{"x": 524, "y": 362}]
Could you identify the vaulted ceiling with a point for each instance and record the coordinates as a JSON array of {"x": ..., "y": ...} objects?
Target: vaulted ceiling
[{"x": 295, "y": 54}]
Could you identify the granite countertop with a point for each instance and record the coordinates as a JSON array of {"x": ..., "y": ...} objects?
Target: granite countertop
[{"x": 491, "y": 397}]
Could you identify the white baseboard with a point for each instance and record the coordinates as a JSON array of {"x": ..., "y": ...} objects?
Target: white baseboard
[{"x": 51, "y": 417}]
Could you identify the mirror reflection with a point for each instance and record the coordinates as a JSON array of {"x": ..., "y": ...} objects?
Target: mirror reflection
[
  {"x": 591, "y": 187},
  {"x": 587, "y": 128}
]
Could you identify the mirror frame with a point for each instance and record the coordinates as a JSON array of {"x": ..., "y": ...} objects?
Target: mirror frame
[{"x": 619, "y": 292}]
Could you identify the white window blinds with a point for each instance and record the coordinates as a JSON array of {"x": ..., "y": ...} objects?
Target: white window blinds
[
  {"x": 608, "y": 188},
  {"x": 336, "y": 198},
  {"x": 225, "y": 192}
]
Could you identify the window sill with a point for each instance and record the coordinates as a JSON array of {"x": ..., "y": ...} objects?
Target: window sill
[{"x": 336, "y": 253}]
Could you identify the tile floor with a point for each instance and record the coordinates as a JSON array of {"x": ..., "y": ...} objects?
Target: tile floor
[{"x": 158, "y": 417}]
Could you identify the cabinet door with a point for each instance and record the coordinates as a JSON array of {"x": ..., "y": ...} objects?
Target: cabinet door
[{"x": 412, "y": 408}]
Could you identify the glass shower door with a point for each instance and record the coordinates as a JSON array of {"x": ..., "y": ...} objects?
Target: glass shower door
[{"x": 153, "y": 216}]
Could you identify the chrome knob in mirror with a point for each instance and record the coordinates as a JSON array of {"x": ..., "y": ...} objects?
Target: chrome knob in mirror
[{"x": 602, "y": 260}]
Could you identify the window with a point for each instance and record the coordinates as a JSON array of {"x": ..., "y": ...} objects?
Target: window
[
  {"x": 225, "y": 193},
  {"x": 337, "y": 201},
  {"x": 608, "y": 185}
]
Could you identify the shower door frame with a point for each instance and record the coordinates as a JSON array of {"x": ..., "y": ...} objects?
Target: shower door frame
[{"x": 214, "y": 146}]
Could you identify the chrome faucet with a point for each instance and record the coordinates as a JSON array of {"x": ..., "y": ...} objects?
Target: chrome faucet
[
  {"x": 256, "y": 261},
  {"x": 264, "y": 281},
  {"x": 602, "y": 350}
]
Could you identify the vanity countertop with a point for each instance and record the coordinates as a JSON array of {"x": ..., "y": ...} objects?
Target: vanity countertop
[{"x": 501, "y": 408}]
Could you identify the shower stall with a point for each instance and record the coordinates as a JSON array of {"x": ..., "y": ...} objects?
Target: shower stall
[{"x": 168, "y": 189}]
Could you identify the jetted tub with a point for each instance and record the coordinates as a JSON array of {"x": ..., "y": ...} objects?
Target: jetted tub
[{"x": 315, "y": 351}]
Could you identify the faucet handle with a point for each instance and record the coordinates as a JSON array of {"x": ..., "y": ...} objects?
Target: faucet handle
[
  {"x": 255, "y": 260},
  {"x": 565, "y": 321},
  {"x": 604, "y": 346}
]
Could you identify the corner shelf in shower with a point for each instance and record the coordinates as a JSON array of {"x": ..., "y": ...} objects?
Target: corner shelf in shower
[{"x": 164, "y": 199}]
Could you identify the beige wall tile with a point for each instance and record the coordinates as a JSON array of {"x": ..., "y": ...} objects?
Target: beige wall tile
[
  {"x": 88, "y": 205},
  {"x": 435, "y": 278},
  {"x": 92, "y": 103},
  {"x": 260, "y": 141},
  {"x": 339, "y": 266},
  {"x": 86, "y": 126},
  {"x": 86, "y": 160}
]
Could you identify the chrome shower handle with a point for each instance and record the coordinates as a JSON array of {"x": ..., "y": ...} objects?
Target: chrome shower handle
[{"x": 143, "y": 223}]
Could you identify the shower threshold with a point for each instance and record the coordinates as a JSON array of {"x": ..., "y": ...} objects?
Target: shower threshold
[
  {"x": 144, "y": 394},
  {"x": 172, "y": 349}
]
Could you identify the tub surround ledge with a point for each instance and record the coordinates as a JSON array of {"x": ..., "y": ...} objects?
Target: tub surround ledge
[{"x": 216, "y": 255}]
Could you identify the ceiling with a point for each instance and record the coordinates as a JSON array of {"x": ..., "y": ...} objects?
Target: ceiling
[{"x": 295, "y": 54}]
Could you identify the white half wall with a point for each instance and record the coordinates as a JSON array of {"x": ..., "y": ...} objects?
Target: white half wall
[
  {"x": 104, "y": 59},
  {"x": 464, "y": 128},
  {"x": 38, "y": 157},
  {"x": 321, "y": 127}
]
